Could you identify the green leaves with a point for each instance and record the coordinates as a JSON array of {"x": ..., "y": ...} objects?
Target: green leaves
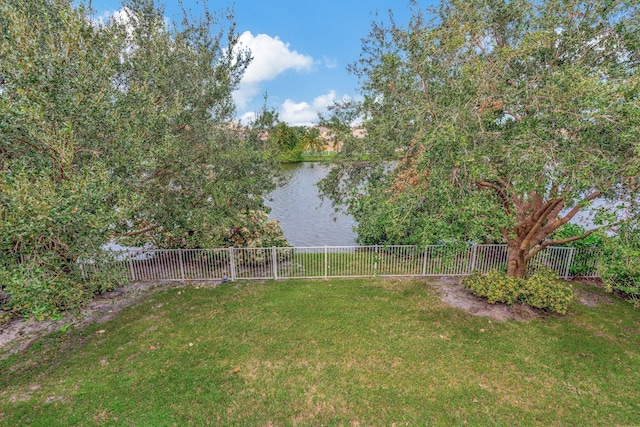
[
  {"x": 619, "y": 263},
  {"x": 116, "y": 129},
  {"x": 501, "y": 110},
  {"x": 542, "y": 290}
]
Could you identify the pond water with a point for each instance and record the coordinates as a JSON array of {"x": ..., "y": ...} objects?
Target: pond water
[{"x": 306, "y": 219}]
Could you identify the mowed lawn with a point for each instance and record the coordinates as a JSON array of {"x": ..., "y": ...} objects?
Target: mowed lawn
[{"x": 337, "y": 352}]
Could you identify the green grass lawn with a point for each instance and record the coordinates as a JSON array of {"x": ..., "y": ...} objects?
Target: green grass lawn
[{"x": 338, "y": 352}]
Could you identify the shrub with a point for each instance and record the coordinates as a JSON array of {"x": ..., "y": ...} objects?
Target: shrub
[
  {"x": 619, "y": 264},
  {"x": 495, "y": 286},
  {"x": 32, "y": 290},
  {"x": 292, "y": 156},
  {"x": 543, "y": 290},
  {"x": 33, "y": 294}
]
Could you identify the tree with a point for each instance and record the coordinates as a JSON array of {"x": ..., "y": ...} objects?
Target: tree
[
  {"x": 197, "y": 173},
  {"x": 115, "y": 130},
  {"x": 56, "y": 124},
  {"x": 284, "y": 137},
  {"x": 311, "y": 140},
  {"x": 284, "y": 143},
  {"x": 512, "y": 117}
]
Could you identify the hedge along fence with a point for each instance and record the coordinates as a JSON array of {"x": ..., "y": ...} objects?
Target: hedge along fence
[{"x": 328, "y": 261}]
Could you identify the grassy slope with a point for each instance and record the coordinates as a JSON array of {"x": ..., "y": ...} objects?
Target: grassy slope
[{"x": 328, "y": 352}]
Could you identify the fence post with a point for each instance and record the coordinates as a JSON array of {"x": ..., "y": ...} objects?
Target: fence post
[
  {"x": 274, "y": 262},
  {"x": 326, "y": 263},
  {"x": 424, "y": 261},
  {"x": 131, "y": 270},
  {"x": 232, "y": 264},
  {"x": 474, "y": 258},
  {"x": 181, "y": 264},
  {"x": 567, "y": 269},
  {"x": 376, "y": 259}
]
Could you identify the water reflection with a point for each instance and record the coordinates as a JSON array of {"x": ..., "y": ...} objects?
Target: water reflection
[{"x": 305, "y": 219}]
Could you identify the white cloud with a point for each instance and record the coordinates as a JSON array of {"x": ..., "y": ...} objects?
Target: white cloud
[
  {"x": 248, "y": 118},
  {"x": 299, "y": 113},
  {"x": 271, "y": 57},
  {"x": 123, "y": 16},
  {"x": 245, "y": 93},
  {"x": 330, "y": 63},
  {"x": 303, "y": 113}
]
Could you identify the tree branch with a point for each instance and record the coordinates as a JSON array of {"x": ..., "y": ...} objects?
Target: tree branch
[
  {"x": 500, "y": 191},
  {"x": 560, "y": 222},
  {"x": 425, "y": 90},
  {"x": 551, "y": 206},
  {"x": 554, "y": 188},
  {"x": 548, "y": 243},
  {"x": 133, "y": 233}
]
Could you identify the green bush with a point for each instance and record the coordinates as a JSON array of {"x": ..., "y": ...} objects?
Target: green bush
[
  {"x": 495, "y": 286},
  {"x": 34, "y": 291},
  {"x": 619, "y": 264},
  {"x": 583, "y": 263},
  {"x": 543, "y": 290},
  {"x": 291, "y": 156},
  {"x": 33, "y": 294}
]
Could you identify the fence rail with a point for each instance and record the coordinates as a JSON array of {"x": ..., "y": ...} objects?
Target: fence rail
[{"x": 335, "y": 261}]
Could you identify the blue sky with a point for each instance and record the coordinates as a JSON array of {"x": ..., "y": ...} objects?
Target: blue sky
[{"x": 301, "y": 49}]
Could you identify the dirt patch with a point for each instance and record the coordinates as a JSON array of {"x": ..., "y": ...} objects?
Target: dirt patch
[
  {"x": 456, "y": 295},
  {"x": 18, "y": 335},
  {"x": 590, "y": 299}
]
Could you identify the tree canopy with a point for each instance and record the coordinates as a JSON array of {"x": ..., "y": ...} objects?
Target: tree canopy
[
  {"x": 288, "y": 143},
  {"x": 117, "y": 129},
  {"x": 511, "y": 118}
]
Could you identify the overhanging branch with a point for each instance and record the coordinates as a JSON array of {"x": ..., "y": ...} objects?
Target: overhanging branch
[
  {"x": 554, "y": 225},
  {"x": 558, "y": 242},
  {"x": 134, "y": 233},
  {"x": 500, "y": 191}
]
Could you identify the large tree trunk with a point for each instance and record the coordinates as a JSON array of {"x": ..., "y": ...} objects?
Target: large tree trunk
[
  {"x": 537, "y": 217},
  {"x": 516, "y": 260}
]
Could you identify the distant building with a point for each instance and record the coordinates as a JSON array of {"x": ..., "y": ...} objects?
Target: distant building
[
  {"x": 334, "y": 145},
  {"x": 358, "y": 132},
  {"x": 330, "y": 139}
]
